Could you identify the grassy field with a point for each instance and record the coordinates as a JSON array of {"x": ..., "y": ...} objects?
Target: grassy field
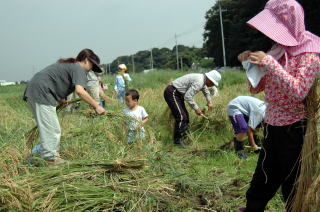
[{"x": 104, "y": 173}]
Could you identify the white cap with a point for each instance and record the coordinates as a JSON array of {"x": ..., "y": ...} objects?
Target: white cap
[
  {"x": 122, "y": 66},
  {"x": 214, "y": 77}
]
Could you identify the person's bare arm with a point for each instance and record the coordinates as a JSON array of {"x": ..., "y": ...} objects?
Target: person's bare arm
[
  {"x": 145, "y": 120},
  {"x": 250, "y": 138}
]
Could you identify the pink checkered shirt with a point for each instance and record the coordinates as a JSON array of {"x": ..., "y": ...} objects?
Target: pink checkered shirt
[{"x": 286, "y": 89}]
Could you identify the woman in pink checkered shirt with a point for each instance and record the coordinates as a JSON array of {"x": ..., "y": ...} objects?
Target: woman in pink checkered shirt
[{"x": 290, "y": 67}]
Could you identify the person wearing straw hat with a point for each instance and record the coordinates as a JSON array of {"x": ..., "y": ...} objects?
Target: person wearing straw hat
[
  {"x": 184, "y": 89},
  {"x": 50, "y": 87},
  {"x": 121, "y": 82},
  {"x": 290, "y": 68}
]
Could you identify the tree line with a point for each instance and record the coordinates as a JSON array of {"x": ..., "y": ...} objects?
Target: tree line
[
  {"x": 162, "y": 58},
  {"x": 237, "y": 36},
  {"x": 240, "y": 37}
]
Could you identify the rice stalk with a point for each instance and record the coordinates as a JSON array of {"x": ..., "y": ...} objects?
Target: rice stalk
[
  {"x": 313, "y": 195},
  {"x": 34, "y": 132},
  {"x": 17, "y": 196},
  {"x": 9, "y": 163},
  {"x": 309, "y": 154}
]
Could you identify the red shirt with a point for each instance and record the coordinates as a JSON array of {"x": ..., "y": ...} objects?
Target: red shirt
[{"x": 286, "y": 87}]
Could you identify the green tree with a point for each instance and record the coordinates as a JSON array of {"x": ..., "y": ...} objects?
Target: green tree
[
  {"x": 240, "y": 37},
  {"x": 162, "y": 58}
]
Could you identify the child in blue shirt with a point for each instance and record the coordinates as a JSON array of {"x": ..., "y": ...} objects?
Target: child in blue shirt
[
  {"x": 121, "y": 82},
  {"x": 138, "y": 116}
]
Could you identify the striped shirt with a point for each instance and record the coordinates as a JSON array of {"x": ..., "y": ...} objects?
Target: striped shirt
[{"x": 189, "y": 85}]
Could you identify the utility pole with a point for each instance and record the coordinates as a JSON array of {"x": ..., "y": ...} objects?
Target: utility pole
[
  {"x": 151, "y": 59},
  {"x": 222, "y": 36},
  {"x": 109, "y": 68},
  {"x": 132, "y": 59},
  {"x": 177, "y": 52},
  {"x": 181, "y": 66}
]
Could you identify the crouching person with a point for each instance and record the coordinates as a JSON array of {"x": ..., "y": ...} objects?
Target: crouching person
[
  {"x": 184, "y": 89},
  {"x": 246, "y": 114},
  {"x": 50, "y": 87}
]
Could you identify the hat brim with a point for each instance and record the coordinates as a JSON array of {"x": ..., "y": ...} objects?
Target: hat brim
[
  {"x": 267, "y": 23},
  {"x": 95, "y": 66},
  {"x": 211, "y": 79}
]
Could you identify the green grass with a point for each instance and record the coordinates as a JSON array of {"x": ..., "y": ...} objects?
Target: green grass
[{"x": 105, "y": 173}]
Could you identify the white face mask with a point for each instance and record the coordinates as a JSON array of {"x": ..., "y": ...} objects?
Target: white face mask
[{"x": 276, "y": 52}]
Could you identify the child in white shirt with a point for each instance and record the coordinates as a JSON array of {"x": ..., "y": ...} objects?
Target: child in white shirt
[{"x": 138, "y": 116}]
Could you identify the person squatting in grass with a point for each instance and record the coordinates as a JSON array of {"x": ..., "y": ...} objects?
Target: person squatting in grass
[
  {"x": 246, "y": 114},
  {"x": 291, "y": 68},
  {"x": 50, "y": 87},
  {"x": 184, "y": 89},
  {"x": 138, "y": 116},
  {"x": 121, "y": 82}
]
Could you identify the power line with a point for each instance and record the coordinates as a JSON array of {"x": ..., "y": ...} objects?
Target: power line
[{"x": 191, "y": 30}]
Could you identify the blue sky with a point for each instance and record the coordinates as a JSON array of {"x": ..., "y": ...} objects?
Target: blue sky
[{"x": 35, "y": 33}]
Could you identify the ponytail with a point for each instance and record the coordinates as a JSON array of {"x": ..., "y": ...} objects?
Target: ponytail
[{"x": 68, "y": 60}]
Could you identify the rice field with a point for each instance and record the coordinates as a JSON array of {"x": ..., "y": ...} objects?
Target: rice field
[{"x": 104, "y": 173}]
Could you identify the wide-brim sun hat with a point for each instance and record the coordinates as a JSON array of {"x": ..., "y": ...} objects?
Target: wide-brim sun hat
[
  {"x": 214, "y": 76},
  {"x": 277, "y": 17},
  {"x": 94, "y": 59}
]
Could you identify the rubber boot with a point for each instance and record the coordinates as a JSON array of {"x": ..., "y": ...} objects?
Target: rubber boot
[
  {"x": 179, "y": 143},
  {"x": 239, "y": 148},
  {"x": 183, "y": 136}
]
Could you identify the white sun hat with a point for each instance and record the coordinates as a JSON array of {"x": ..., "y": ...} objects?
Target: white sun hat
[
  {"x": 214, "y": 76},
  {"x": 122, "y": 67}
]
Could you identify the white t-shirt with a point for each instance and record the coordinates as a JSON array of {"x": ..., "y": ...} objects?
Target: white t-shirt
[
  {"x": 138, "y": 114},
  {"x": 251, "y": 107}
]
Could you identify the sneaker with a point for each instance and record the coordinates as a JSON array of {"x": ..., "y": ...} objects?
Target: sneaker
[
  {"x": 241, "y": 154},
  {"x": 57, "y": 161},
  {"x": 36, "y": 150},
  {"x": 179, "y": 143}
]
